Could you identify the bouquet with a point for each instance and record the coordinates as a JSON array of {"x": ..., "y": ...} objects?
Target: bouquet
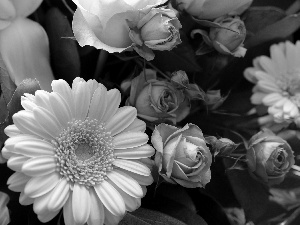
[{"x": 149, "y": 112}]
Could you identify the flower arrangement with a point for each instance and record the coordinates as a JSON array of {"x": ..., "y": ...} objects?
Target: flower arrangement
[{"x": 149, "y": 112}]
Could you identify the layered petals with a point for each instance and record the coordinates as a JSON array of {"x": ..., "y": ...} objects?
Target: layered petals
[
  {"x": 25, "y": 51},
  {"x": 76, "y": 149}
]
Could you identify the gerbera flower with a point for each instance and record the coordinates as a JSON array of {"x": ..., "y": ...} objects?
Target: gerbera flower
[
  {"x": 277, "y": 81},
  {"x": 76, "y": 149}
]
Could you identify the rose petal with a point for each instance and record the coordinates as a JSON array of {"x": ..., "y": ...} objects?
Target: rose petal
[{"x": 25, "y": 51}]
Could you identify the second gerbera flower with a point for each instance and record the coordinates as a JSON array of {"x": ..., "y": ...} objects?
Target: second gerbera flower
[
  {"x": 76, "y": 149},
  {"x": 277, "y": 81}
]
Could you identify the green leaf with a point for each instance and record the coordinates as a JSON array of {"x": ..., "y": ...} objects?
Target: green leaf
[
  {"x": 182, "y": 57},
  {"x": 14, "y": 105},
  {"x": 265, "y": 15},
  {"x": 65, "y": 59},
  {"x": 149, "y": 217},
  {"x": 7, "y": 85},
  {"x": 271, "y": 23},
  {"x": 26, "y": 86}
]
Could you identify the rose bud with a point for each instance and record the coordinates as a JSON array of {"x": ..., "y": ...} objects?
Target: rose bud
[
  {"x": 182, "y": 156},
  {"x": 212, "y": 9},
  {"x": 157, "y": 29},
  {"x": 157, "y": 100},
  {"x": 229, "y": 39},
  {"x": 269, "y": 157},
  {"x": 214, "y": 99},
  {"x": 122, "y": 25}
]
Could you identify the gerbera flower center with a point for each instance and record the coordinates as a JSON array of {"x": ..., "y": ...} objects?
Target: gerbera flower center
[
  {"x": 290, "y": 82},
  {"x": 85, "y": 152}
]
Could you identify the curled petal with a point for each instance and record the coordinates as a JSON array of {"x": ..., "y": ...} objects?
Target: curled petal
[{"x": 25, "y": 51}]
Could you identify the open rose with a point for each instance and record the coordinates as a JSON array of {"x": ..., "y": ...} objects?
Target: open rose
[
  {"x": 158, "y": 100},
  {"x": 24, "y": 45},
  {"x": 212, "y": 9},
  {"x": 120, "y": 25},
  {"x": 182, "y": 155},
  {"x": 269, "y": 157}
]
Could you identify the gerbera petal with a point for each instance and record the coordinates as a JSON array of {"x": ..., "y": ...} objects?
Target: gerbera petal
[
  {"x": 6, "y": 154},
  {"x": 47, "y": 121},
  {"x": 27, "y": 104},
  {"x": 40, "y": 203},
  {"x": 34, "y": 148},
  {"x": 136, "y": 125},
  {"x": 126, "y": 183},
  {"x": 82, "y": 99},
  {"x": 39, "y": 166},
  {"x": 17, "y": 181},
  {"x": 62, "y": 87},
  {"x": 272, "y": 98},
  {"x": 27, "y": 124},
  {"x": 68, "y": 212},
  {"x": 121, "y": 120},
  {"x": 42, "y": 99},
  {"x": 131, "y": 203},
  {"x": 279, "y": 59},
  {"x": 11, "y": 142},
  {"x": 59, "y": 195},
  {"x": 80, "y": 203},
  {"x": 98, "y": 103},
  {"x": 12, "y": 130},
  {"x": 291, "y": 56},
  {"x": 267, "y": 64},
  {"x": 135, "y": 153},
  {"x": 38, "y": 186},
  {"x": 16, "y": 162},
  {"x": 132, "y": 166},
  {"x": 288, "y": 106},
  {"x": 76, "y": 81},
  {"x": 110, "y": 218},
  {"x": 110, "y": 198},
  {"x": 142, "y": 180},
  {"x": 113, "y": 100},
  {"x": 261, "y": 75},
  {"x": 25, "y": 200},
  {"x": 60, "y": 109},
  {"x": 130, "y": 140},
  {"x": 268, "y": 87},
  {"x": 44, "y": 218},
  {"x": 96, "y": 211},
  {"x": 93, "y": 85}
]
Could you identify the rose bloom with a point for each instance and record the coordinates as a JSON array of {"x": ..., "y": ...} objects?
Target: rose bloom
[
  {"x": 182, "y": 156},
  {"x": 157, "y": 100},
  {"x": 24, "y": 44},
  {"x": 120, "y": 25},
  {"x": 269, "y": 157},
  {"x": 229, "y": 41},
  {"x": 225, "y": 36},
  {"x": 212, "y": 9},
  {"x": 277, "y": 81}
]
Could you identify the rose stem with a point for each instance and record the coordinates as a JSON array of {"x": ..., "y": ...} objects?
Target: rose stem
[
  {"x": 294, "y": 8},
  {"x": 100, "y": 63},
  {"x": 67, "y": 6}
]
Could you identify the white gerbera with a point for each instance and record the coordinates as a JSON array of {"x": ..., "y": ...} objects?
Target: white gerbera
[
  {"x": 277, "y": 80},
  {"x": 76, "y": 149}
]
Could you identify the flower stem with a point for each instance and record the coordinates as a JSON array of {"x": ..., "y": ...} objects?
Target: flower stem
[
  {"x": 67, "y": 6},
  {"x": 100, "y": 63},
  {"x": 294, "y": 8}
]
